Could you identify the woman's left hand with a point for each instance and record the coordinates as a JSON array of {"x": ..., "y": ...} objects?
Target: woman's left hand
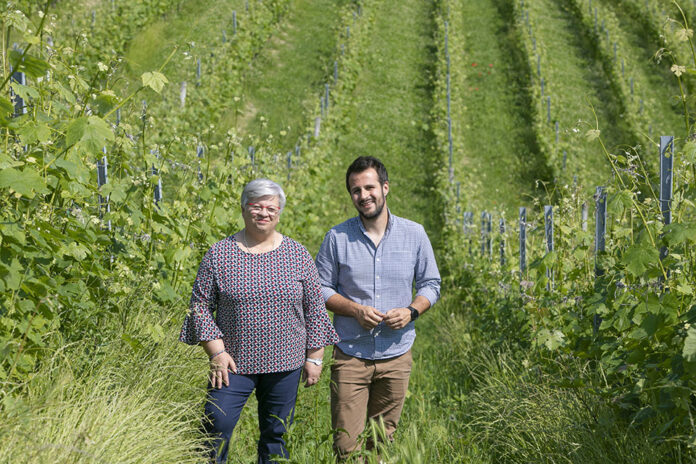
[{"x": 310, "y": 374}]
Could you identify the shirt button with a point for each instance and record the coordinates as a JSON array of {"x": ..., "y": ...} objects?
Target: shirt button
[
  {"x": 378, "y": 277},
  {"x": 377, "y": 296},
  {"x": 378, "y": 259}
]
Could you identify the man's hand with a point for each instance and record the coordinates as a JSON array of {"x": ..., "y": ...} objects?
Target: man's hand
[
  {"x": 219, "y": 369},
  {"x": 397, "y": 318},
  {"x": 368, "y": 317}
]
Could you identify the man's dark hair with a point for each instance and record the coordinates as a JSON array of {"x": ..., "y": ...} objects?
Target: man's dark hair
[{"x": 363, "y": 163}]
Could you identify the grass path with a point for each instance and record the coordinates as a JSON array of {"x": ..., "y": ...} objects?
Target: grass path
[
  {"x": 498, "y": 158},
  {"x": 576, "y": 82},
  {"x": 286, "y": 80},
  {"x": 390, "y": 113},
  {"x": 653, "y": 81}
]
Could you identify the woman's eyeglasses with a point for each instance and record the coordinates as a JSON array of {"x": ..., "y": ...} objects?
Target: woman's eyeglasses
[{"x": 255, "y": 208}]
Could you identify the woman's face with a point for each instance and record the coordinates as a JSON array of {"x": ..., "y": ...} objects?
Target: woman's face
[{"x": 262, "y": 214}]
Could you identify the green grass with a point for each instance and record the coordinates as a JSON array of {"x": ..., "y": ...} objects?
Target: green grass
[
  {"x": 578, "y": 85},
  {"x": 392, "y": 100},
  {"x": 492, "y": 114},
  {"x": 196, "y": 24},
  {"x": 285, "y": 81}
]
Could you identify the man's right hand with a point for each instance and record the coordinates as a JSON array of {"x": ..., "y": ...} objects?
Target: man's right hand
[{"x": 368, "y": 317}]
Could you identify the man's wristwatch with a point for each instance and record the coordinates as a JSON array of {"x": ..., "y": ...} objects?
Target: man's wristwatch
[
  {"x": 316, "y": 362},
  {"x": 414, "y": 313}
]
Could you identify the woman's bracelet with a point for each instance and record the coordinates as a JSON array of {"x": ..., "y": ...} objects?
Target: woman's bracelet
[{"x": 214, "y": 355}]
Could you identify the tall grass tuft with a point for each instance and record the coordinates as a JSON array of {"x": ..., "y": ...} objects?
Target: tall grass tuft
[{"x": 122, "y": 403}]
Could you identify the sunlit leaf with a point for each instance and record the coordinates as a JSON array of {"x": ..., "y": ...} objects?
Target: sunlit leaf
[
  {"x": 25, "y": 182},
  {"x": 91, "y": 132},
  {"x": 155, "y": 80}
]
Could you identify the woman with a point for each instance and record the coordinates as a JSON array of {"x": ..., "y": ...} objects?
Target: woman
[{"x": 270, "y": 324}]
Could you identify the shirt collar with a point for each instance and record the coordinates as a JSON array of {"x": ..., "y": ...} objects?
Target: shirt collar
[{"x": 390, "y": 223}]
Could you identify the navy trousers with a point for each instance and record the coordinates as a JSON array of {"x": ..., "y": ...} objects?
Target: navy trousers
[{"x": 276, "y": 394}]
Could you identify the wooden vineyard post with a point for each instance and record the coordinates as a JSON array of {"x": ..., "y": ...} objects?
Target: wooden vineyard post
[
  {"x": 467, "y": 221},
  {"x": 326, "y": 97},
  {"x": 548, "y": 235},
  {"x": 583, "y": 216},
  {"x": 157, "y": 193},
  {"x": 449, "y": 101},
  {"x": 523, "y": 241},
  {"x": 102, "y": 171},
  {"x": 600, "y": 237},
  {"x": 483, "y": 233},
  {"x": 502, "y": 242},
  {"x": 317, "y": 126},
  {"x": 489, "y": 241},
  {"x": 199, "y": 155},
  {"x": 19, "y": 106},
  {"x": 666, "y": 184},
  {"x": 252, "y": 156}
]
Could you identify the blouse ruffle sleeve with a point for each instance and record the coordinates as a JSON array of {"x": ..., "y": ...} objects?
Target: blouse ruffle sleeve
[
  {"x": 200, "y": 324},
  {"x": 320, "y": 330}
]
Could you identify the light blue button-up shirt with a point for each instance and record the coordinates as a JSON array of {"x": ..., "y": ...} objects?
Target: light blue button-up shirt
[{"x": 382, "y": 277}]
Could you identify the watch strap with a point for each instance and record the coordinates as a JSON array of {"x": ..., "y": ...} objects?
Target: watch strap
[{"x": 414, "y": 313}]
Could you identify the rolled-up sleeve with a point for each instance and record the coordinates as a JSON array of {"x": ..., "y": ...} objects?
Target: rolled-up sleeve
[
  {"x": 320, "y": 330},
  {"x": 199, "y": 324},
  {"x": 327, "y": 266},
  {"x": 427, "y": 275}
]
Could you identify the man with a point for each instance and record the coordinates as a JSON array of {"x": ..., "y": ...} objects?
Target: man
[{"x": 367, "y": 267}]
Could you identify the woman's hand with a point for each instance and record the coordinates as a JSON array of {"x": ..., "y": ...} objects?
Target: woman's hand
[
  {"x": 310, "y": 374},
  {"x": 220, "y": 367},
  {"x": 310, "y": 371}
]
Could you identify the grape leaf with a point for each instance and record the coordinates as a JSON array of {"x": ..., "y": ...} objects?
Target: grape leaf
[
  {"x": 23, "y": 182},
  {"x": 638, "y": 258},
  {"x": 90, "y": 132},
  {"x": 154, "y": 80},
  {"x": 689, "y": 350},
  {"x": 31, "y": 65},
  {"x": 676, "y": 234}
]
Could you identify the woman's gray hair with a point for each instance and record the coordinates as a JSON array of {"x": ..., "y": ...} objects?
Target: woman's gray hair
[{"x": 258, "y": 188}]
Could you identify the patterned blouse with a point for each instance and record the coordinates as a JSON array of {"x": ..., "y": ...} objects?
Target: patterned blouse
[{"x": 268, "y": 307}]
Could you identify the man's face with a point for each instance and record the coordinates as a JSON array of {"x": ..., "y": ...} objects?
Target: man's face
[{"x": 366, "y": 192}]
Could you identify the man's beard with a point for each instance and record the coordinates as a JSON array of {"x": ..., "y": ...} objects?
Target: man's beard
[{"x": 377, "y": 212}]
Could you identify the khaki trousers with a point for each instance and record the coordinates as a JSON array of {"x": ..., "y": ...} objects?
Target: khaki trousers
[{"x": 363, "y": 388}]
